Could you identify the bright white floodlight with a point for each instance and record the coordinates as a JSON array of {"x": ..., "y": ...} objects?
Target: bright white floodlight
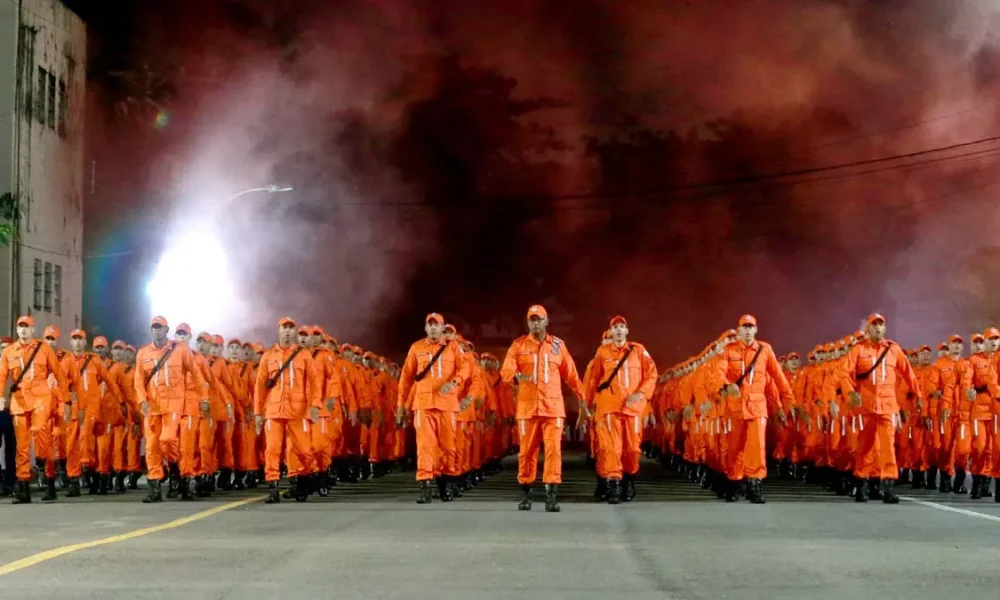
[{"x": 192, "y": 282}]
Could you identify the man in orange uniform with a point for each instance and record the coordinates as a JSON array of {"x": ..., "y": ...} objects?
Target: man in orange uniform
[
  {"x": 432, "y": 375},
  {"x": 125, "y": 433},
  {"x": 322, "y": 432},
  {"x": 225, "y": 456},
  {"x": 748, "y": 367},
  {"x": 27, "y": 364},
  {"x": 113, "y": 415},
  {"x": 540, "y": 363},
  {"x": 211, "y": 426},
  {"x": 922, "y": 424},
  {"x": 66, "y": 444},
  {"x": 99, "y": 406},
  {"x": 945, "y": 425},
  {"x": 623, "y": 379},
  {"x": 288, "y": 395},
  {"x": 244, "y": 436},
  {"x": 979, "y": 389},
  {"x": 161, "y": 371},
  {"x": 872, "y": 366}
]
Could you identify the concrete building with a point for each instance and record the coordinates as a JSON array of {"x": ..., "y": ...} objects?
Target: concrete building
[{"x": 43, "y": 47}]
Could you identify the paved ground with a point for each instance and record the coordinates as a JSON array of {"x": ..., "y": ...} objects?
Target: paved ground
[{"x": 370, "y": 541}]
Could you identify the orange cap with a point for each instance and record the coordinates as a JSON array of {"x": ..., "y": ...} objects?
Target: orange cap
[
  {"x": 130, "y": 348},
  {"x": 332, "y": 340},
  {"x": 943, "y": 346},
  {"x": 726, "y": 334},
  {"x": 286, "y": 321},
  {"x": 345, "y": 347},
  {"x": 78, "y": 333},
  {"x": 875, "y": 317},
  {"x": 977, "y": 337},
  {"x": 451, "y": 328},
  {"x": 258, "y": 347},
  {"x": 748, "y": 320},
  {"x": 183, "y": 327},
  {"x": 606, "y": 335},
  {"x": 617, "y": 319},
  {"x": 488, "y": 355},
  {"x": 159, "y": 322},
  {"x": 27, "y": 320},
  {"x": 118, "y": 344},
  {"x": 52, "y": 331},
  {"x": 100, "y": 342},
  {"x": 204, "y": 335},
  {"x": 434, "y": 318},
  {"x": 235, "y": 341},
  {"x": 924, "y": 348},
  {"x": 829, "y": 347},
  {"x": 369, "y": 354},
  {"x": 955, "y": 339},
  {"x": 317, "y": 330},
  {"x": 305, "y": 330},
  {"x": 218, "y": 340},
  {"x": 538, "y": 310},
  {"x": 792, "y": 355},
  {"x": 991, "y": 332}
]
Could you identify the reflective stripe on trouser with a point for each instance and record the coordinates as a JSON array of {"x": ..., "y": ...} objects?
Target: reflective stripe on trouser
[
  {"x": 322, "y": 445},
  {"x": 876, "y": 452},
  {"x": 979, "y": 448},
  {"x": 34, "y": 426},
  {"x": 295, "y": 437},
  {"x": 535, "y": 432},
  {"x": 618, "y": 445},
  {"x": 746, "y": 452},
  {"x": 435, "y": 432}
]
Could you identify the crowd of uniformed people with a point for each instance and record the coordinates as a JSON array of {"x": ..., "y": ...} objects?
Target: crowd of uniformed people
[{"x": 201, "y": 414}]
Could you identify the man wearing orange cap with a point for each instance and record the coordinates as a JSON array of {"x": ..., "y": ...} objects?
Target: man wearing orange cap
[
  {"x": 622, "y": 381},
  {"x": 64, "y": 400},
  {"x": 69, "y": 415},
  {"x": 946, "y": 421},
  {"x": 323, "y": 431},
  {"x": 225, "y": 426},
  {"x": 244, "y": 436},
  {"x": 99, "y": 396},
  {"x": 979, "y": 389},
  {"x": 27, "y": 364},
  {"x": 288, "y": 396},
  {"x": 540, "y": 363},
  {"x": 113, "y": 415},
  {"x": 125, "y": 434},
  {"x": 161, "y": 373},
  {"x": 432, "y": 375},
  {"x": 922, "y": 425},
  {"x": 869, "y": 380},
  {"x": 210, "y": 426}
]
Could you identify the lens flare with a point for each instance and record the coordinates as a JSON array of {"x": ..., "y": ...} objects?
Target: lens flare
[{"x": 191, "y": 282}]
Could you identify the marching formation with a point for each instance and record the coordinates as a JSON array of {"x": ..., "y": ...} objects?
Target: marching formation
[{"x": 860, "y": 416}]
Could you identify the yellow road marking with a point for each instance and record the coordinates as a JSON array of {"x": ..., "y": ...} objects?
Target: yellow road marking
[{"x": 34, "y": 559}]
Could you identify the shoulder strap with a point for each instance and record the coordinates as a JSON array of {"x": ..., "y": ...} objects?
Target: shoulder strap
[
  {"x": 753, "y": 363},
  {"x": 159, "y": 364},
  {"x": 881, "y": 357},
  {"x": 427, "y": 369},
  {"x": 273, "y": 380},
  {"x": 243, "y": 370},
  {"x": 607, "y": 383},
  {"x": 24, "y": 371}
]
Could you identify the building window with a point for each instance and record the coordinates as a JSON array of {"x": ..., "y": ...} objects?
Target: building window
[
  {"x": 63, "y": 109},
  {"x": 47, "y": 306},
  {"x": 57, "y": 289},
  {"x": 43, "y": 80},
  {"x": 51, "y": 114},
  {"x": 38, "y": 285}
]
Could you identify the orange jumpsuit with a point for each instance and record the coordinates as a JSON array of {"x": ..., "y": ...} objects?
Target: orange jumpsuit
[
  {"x": 162, "y": 394},
  {"x": 979, "y": 374},
  {"x": 32, "y": 404},
  {"x": 473, "y": 390},
  {"x": 945, "y": 419},
  {"x": 541, "y": 412},
  {"x": 71, "y": 429},
  {"x": 100, "y": 403},
  {"x": 244, "y": 434},
  {"x": 125, "y": 442},
  {"x": 618, "y": 423},
  {"x": 434, "y": 412},
  {"x": 285, "y": 409},
  {"x": 323, "y": 431},
  {"x": 876, "y": 451}
]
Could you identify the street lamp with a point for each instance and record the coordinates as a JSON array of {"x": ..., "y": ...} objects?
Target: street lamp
[{"x": 272, "y": 189}]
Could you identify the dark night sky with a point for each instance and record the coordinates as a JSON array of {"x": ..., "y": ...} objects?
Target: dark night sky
[{"x": 602, "y": 158}]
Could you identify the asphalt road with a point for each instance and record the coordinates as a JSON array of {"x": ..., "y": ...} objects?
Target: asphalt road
[{"x": 371, "y": 541}]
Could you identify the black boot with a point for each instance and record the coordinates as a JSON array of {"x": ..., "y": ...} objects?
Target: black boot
[
  {"x": 425, "y": 492},
  {"x": 184, "y": 489},
  {"x": 861, "y": 490},
  {"x": 154, "y": 494},
  {"x": 959, "y": 485},
  {"x": 918, "y": 480},
  {"x": 303, "y": 488},
  {"x": 525, "y": 503},
  {"x": 61, "y": 476},
  {"x": 888, "y": 494},
  {"x": 174, "y": 482},
  {"x": 105, "y": 484},
  {"x": 551, "y": 498},
  {"x": 273, "y": 496},
  {"x": 322, "y": 484},
  {"x": 133, "y": 480},
  {"x": 252, "y": 480},
  {"x": 85, "y": 477},
  {"x": 225, "y": 480},
  {"x": 73, "y": 490},
  {"x": 874, "y": 488},
  {"x": 601, "y": 491},
  {"x": 732, "y": 490},
  {"x": 614, "y": 491},
  {"x": 201, "y": 486},
  {"x": 904, "y": 476},
  {"x": 95, "y": 483},
  {"x": 238, "y": 484},
  {"x": 459, "y": 484},
  {"x": 945, "y": 483},
  {"x": 996, "y": 495},
  {"x": 755, "y": 491},
  {"x": 119, "y": 482},
  {"x": 50, "y": 490},
  {"x": 444, "y": 488},
  {"x": 976, "y": 488},
  {"x": 22, "y": 492},
  {"x": 845, "y": 483},
  {"x": 628, "y": 488},
  {"x": 930, "y": 483}
]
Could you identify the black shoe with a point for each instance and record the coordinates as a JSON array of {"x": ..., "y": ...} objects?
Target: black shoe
[
  {"x": 861, "y": 490},
  {"x": 425, "y": 492},
  {"x": 601, "y": 491},
  {"x": 322, "y": 484},
  {"x": 930, "y": 482},
  {"x": 874, "y": 488},
  {"x": 458, "y": 484},
  {"x": 154, "y": 494},
  {"x": 202, "y": 489},
  {"x": 444, "y": 488},
  {"x": 61, "y": 476},
  {"x": 225, "y": 482},
  {"x": 238, "y": 484},
  {"x": 174, "y": 482},
  {"x": 904, "y": 476},
  {"x": 844, "y": 484},
  {"x": 755, "y": 491},
  {"x": 50, "y": 490},
  {"x": 95, "y": 483},
  {"x": 888, "y": 495},
  {"x": 551, "y": 498},
  {"x": 614, "y": 491},
  {"x": 105, "y": 485},
  {"x": 628, "y": 488},
  {"x": 945, "y": 483},
  {"x": 133, "y": 480},
  {"x": 302, "y": 488},
  {"x": 525, "y": 503},
  {"x": 996, "y": 496},
  {"x": 959, "y": 486},
  {"x": 73, "y": 489},
  {"x": 252, "y": 480},
  {"x": 119, "y": 485},
  {"x": 22, "y": 493},
  {"x": 918, "y": 481},
  {"x": 85, "y": 478},
  {"x": 273, "y": 496},
  {"x": 977, "y": 487},
  {"x": 184, "y": 488},
  {"x": 732, "y": 490}
]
